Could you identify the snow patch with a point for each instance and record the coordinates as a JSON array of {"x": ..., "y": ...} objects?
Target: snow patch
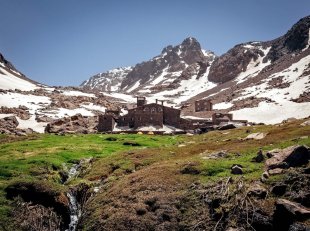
[
  {"x": 11, "y": 82},
  {"x": 78, "y": 93},
  {"x": 254, "y": 67},
  {"x": 271, "y": 113},
  {"x": 223, "y": 105}
]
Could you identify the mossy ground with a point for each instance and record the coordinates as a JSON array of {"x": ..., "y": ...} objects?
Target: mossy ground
[{"x": 132, "y": 175}]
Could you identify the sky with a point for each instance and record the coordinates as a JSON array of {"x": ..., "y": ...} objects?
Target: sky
[{"x": 64, "y": 42}]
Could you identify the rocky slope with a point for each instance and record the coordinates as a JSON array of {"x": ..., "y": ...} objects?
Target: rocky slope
[
  {"x": 27, "y": 106},
  {"x": 260, "y": 79}
]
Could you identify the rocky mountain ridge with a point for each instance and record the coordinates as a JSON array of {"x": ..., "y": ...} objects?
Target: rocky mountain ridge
[{"x": 279, "y": 67}]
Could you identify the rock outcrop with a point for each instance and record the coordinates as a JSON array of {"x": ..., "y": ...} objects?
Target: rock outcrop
[{"x": 73, "y": 124}]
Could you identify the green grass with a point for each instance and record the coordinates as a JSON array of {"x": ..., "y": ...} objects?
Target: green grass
[
  {"x": 157, "y": 161},
  {"x": 40, "y": 157}
]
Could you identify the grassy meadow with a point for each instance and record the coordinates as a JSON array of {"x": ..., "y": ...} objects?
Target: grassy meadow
[{"x": 130, "y": 164}]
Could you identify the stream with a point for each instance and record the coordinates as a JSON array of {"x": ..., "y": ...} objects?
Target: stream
[{"x": 74, "y": 206}]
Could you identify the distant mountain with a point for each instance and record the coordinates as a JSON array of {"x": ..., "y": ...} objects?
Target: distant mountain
[
  {"x": 182, "y": 68},
  {"x": 249, "y": 80}
]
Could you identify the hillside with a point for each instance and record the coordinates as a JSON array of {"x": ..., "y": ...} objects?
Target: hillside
[
  {"x": 27, "y": 106},
  {"x": 146, "y": 182}
]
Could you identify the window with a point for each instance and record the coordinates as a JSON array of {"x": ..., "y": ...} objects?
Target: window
[
  {"x": 153, "y": 109},
  {"x": 146, "y": 109},
  {"x": 160, "y": 109},
  {"x": 151, "y": 118}
]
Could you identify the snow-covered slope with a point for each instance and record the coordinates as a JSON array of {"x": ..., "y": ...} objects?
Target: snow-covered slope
[
  {"x": 282, "y": 95},
  {"x": 11, "y": 79},
  {"x": 109, "y": 81},
  {"x": 177, "y": 74},
  {"x": 34, "y": 105}
]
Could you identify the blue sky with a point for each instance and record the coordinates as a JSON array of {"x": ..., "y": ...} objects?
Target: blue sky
[{"x": 64, "y": 42}]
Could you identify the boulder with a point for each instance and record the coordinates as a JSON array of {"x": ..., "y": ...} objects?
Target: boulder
[
  {"x": 259, "y": 157},
  {"x": 287, "y": 212},
  {"x": 256, "y": 136},
  {"x": 8, "y": 125},
  {"x": 73, "y": 124},
  {"x": 293, "y": 156},
  {"x": 258, "y": 191},
  {"x": 275, "y": 171},
  {"x": 226, "y": 127},
  {"x": 236, "y": 169}
]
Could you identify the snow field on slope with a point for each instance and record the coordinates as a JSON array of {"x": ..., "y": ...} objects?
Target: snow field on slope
[
  {"x": 11, "y": 82},
  {"x": 283, "y": 107},
  {"x": 186, "y": 90}
]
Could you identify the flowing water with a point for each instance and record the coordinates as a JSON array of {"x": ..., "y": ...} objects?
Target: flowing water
[
  {"x": 75, "y": 211},
  {"x": 74, "y": 206}
]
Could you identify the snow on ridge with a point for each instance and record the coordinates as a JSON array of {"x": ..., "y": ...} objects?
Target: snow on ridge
[
  {"x": 307, "y": 46},
  {"x": 187, "y": 89},
  {"x": 9, "y": 81},
  {"x": 254, "y": 67},
  {"x": 133, "y": 87}
]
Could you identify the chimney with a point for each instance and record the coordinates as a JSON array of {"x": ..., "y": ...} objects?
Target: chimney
[
  {"x": 162, "y": 103},
  {"x": 156, "y": 101}
]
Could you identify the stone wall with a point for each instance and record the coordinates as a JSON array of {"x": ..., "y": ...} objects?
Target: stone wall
[
  {"x": 203, "y": 105},
  {"x": 106, "y": 123}
]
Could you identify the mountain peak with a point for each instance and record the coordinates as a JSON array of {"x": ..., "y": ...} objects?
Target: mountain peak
[{"x": 191, "y": 42}]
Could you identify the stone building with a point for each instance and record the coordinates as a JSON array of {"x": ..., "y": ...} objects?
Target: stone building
[
  {"x": 153, "y": 114},
  {"x": 158, "y": 115},
  {"x": 203, "y": 105}
]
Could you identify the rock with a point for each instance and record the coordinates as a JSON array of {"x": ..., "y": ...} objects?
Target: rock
[
  {"x": 271, "y": 153},
  {"x": 298, "y": 227},
  {"x": 256, "y": 136},
  {"x": 236, "y": 169},
  {"x": 8, "y": 125},
  {"x": 264, "y": 176},
  {"x": 258, "y": 191},
  {"x": 287, "y": 212},
  {"x": 190, "y": 168},
  {"x": 226, "y": 127},
  {"x": 306, "y": 123},
  {"x": 275, "y": 171},
  {"x": 216, "y": 155},
  {"x": 293, "y": 156},
  {"x": 279, "y": 189},
  {"x": 288, "y": 120},
  {"x": 73, "y": 124},
  {"x": 259, "y": 157}
]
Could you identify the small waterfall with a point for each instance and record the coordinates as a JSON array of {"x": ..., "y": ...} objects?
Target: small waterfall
[
  {"x": 75, "y": 211},
  {"x": 75, "y": 208}
]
